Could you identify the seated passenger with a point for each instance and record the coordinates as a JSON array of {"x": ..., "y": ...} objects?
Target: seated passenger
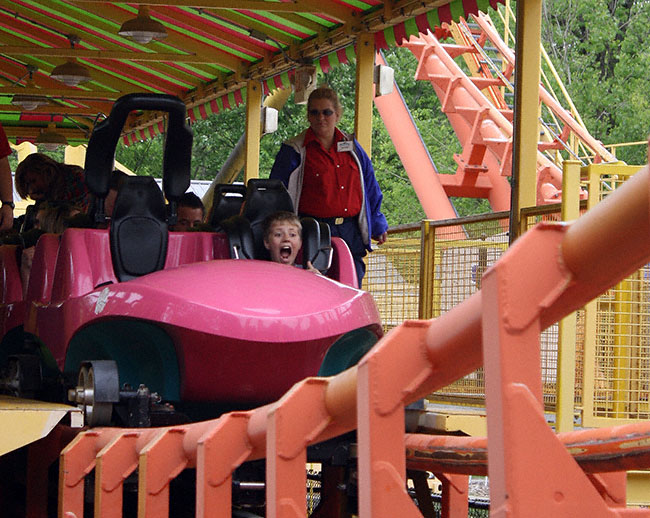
[
  {"x": 190, "y": 213},
  {"x": 41, "y": 178},
  {"x": 51, "y": 218},
  {"x": 282, "y": 233},
  {"x": 117, "y": 177}
]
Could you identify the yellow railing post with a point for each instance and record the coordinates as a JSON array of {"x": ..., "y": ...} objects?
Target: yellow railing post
[
  {"x": 591, "y": 175},
  {"x": 365, "y": 90},
  {"x": 621, "y": 354},
  {"x": 566, "y": 347},
  {"x": 427, "y": 270},
  {"x": 526, "y": 129},
  {"x": 253, "y": 130}
]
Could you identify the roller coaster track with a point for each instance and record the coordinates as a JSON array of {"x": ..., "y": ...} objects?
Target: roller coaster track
[{"x": 477, "y": 109}]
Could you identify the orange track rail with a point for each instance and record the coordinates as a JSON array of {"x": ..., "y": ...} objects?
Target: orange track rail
[
  {"x": 531, "y": 471},
  {"x": 483, "y": 125}
]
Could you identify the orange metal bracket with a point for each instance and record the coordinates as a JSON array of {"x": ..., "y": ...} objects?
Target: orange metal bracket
[
  {"x": 528, "y": 465},
  {"x": 382, "y": 392},
  {"x": 293, "y": 423},
  {"x": 221, "y": 450},
  {"x": 160, "y": 462}
]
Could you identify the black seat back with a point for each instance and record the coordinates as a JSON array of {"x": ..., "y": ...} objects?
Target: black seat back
[
  {"x": 240, "y": 237},
  {"x": 138, "y": 233},
  {"x": 316, "y": 244},
  {"x": 263, "y": 197},
  {"x": 226, "y": 202}
]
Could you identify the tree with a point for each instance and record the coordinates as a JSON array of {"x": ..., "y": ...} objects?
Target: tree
[{"x": 599, "y": 48}]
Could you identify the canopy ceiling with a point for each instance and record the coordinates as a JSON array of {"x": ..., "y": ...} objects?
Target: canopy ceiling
[{"x": 212, "y": 49}]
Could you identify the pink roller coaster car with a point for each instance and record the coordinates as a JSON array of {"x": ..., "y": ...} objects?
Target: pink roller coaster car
[{"x": 125, "y": 319}]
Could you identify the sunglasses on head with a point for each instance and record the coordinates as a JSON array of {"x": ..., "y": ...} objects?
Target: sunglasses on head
[{"x": 315, "y": 113}]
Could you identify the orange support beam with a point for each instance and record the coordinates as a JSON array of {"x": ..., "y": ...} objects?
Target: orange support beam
[
  {"x": 531, "y": 471},
  {"x": 219, "y": 452}
]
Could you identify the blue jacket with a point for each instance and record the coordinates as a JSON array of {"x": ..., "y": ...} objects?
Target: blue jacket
[{"x": 289, "y": 167}]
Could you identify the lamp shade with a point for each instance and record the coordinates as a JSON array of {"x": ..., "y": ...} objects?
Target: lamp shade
[
  {"x": 71, "y": 73},
  {"x": 142, "y": 29},
  {"x": 50, "y": 138},
  {"x": 27, "y": 101}
]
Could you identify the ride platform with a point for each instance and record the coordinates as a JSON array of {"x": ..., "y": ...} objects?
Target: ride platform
[{"x": 23, "y": 421}]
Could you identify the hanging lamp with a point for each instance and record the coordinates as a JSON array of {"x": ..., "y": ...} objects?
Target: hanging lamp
[
  {"x": 142, "y": 29},
  {"x": 29, "y": 101},
  {"x": 71, "y": 73},
  {"x": 50, "y": 139}
]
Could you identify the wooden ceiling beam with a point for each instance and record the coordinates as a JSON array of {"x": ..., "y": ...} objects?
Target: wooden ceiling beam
[
  {"x": 53, "y": 109},
  {"x": 212, "y": 55},
  {"x": 98, "y": 55},
  {"x": 327, "y": 7},
  {"x": 32, "y": 132}
]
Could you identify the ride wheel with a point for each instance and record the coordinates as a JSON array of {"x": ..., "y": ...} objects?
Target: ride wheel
[{"x": 97, "y": 390}]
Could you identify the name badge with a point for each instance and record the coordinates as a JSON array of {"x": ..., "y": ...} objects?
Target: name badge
[{"x": 345, "y": 145}]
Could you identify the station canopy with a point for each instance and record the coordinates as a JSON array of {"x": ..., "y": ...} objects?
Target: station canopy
[{"x": 64, "y": 62}]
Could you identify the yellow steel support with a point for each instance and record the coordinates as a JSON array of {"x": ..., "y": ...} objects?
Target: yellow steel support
[
  {"x": 253, "y": 131},
  {"x": 638, "y": 488},
  {"x": 567, "y": 326},
  {"x": 365, "y": 90},
  {"x": 622, "y": 348},
  {"x": 24, "y": 421},
  {"x": 427, "y": 270},
  {"x": 453, "y": 419},
  {"x": 526, "y": 133}
]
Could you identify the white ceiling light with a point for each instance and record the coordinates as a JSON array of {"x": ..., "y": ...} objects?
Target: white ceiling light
[
  {"x": 29, "y": 101},
  {"x": 71, "y": 73},
  {"x": 142, "y": 29},
  {"x": 50, "y": 139}
]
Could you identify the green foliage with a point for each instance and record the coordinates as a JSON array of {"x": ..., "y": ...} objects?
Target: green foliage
[
  {"x": 599, "y": 49},
  {"x": 216, "y": 136}
]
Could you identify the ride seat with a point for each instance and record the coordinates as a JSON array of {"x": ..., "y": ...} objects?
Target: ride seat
[
  {"x": 316, "y": 244},
  {"x": 138, "y": 233},
  {"x": 263, "y": 197},
  {"x": 42, "y": 273},
  {"x": 11, "y": 288},
  {"x": 227, "y": 201}
]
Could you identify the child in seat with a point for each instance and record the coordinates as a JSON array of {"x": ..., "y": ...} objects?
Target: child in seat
[{"x": 282, "y": 232}]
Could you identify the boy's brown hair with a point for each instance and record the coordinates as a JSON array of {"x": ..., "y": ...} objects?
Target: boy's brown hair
[{"x": 280, "y": 216}]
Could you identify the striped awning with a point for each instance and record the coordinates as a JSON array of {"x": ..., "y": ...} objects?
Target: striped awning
[{"x": 212, "y": 48}]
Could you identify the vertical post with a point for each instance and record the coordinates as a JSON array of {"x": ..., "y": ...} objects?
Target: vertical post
[
  {"x": 621, "y": 372},
  {"x": 427, "y": 269},
  {"x": 253, "y": 130},
  {"x": 526, "y": 128},
  {"x": 591, "y": 310},
  {"x": 364, "y": 90},
  {"x": 566, "y": 364}
]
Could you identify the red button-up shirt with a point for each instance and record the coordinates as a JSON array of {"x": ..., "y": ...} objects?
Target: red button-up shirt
[
  {"x": 331, "y": 185},
  {"x": 5, "y": 150}
]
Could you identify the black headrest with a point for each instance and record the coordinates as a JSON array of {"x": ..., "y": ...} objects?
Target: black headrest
[
  {"x": 240, "y": 237},
  {"x": 316, "y": 244},
  {"x": 264, "y": 197},
  {"x": 226, "y": 202},
  {"x": 138, "y": 233}
]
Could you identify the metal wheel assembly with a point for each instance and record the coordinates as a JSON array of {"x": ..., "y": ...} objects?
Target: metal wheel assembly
[{"x": 96, "y": 391}]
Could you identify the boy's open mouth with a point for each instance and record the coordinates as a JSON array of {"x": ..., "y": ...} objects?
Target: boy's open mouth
[{"x": 285, "y": 252}]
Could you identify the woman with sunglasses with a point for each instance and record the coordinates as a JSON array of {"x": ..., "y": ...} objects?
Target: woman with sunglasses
[{"x": 330, "y": 178}]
